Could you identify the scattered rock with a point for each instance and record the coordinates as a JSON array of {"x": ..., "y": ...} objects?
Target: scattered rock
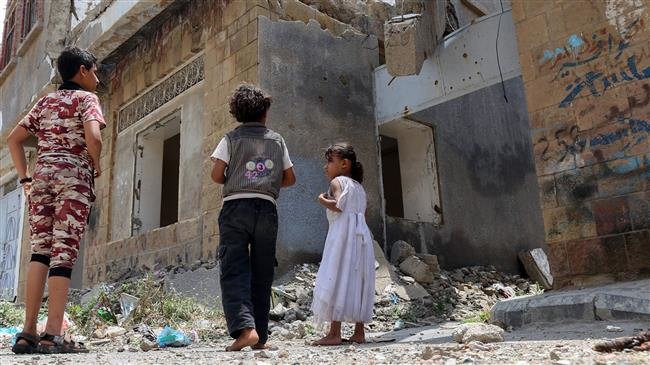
[
  {"x": 263, "y": 355},
  {"x": 283, "y": 354},
  {"x": 417, "y": 269},
  {"x": 614, "y": 329},
  {"x": 400, "y": 251},
  {"x": 427, "y": 353},
  {"x": 114, "y": 331},
  {"x": 555, "y": 355},
  {"x": 431, "y": 260},
  {"x": 482, "y": 332}
]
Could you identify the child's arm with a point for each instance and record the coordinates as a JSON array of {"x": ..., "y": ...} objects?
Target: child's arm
[
  {"x": 219, "y": 171},
  {"x": 329, "y": 203},
  {"x": 288, "y": 177}
]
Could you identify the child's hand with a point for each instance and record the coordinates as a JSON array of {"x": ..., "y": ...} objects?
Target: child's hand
[{"x": 322, "y": 198}]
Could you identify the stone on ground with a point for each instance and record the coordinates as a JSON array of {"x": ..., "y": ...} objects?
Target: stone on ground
[
  {"x": 431, "y": 260},
  {"x": 417, "y": 269},
  {"x": 536, "y": 264},
  {"x": 400, "y": 251},
  {"x": 482, "y": 332}
]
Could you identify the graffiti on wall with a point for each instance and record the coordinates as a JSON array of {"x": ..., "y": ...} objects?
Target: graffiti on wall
[
  {"x": 571, "y": 142},
  {"x": 597, "y": 82},
  {"x": 579, "y": 49}
]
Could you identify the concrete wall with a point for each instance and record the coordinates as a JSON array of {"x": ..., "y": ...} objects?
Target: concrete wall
[
  {"x": 587, "y": 81},
  {"x": 322, "y": 90},
  {"x": 489, "y": 192}
]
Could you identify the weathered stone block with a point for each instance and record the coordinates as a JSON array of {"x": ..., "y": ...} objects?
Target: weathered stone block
[
  {"x": 188, "y": 229},
  {"x": 576, "y": 186},
  {"x": 238, "y": 41},
  {"x": 612, "y": 216},
  {"x": 597, "y": 256},
  {"x": 246, "y": 58},
  {"x": 229, "y": 68},
  {"x": 431, "y": 260},
  {"x": 408, "y": 42},
  {"x": 639, "y": 205},
  {"x": 558, "y": 259},
  {"x": 612, "y": 307},
  {"x": 620, "y": 177},
  {"x": 532, "y": 32},
  {"x": 637, "y": 245},
  {"x": 537, "y": 266},
  {"x": 568, "y": 223},
  {"x": 400, "y": 251},
  {"x": 417, "y": 269}
]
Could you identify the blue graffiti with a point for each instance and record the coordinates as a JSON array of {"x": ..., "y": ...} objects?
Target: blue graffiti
[
  {"x": 632, "y": 127},
  {"x": 590, "y": 81},
  {"x": 575, "y": 43}
]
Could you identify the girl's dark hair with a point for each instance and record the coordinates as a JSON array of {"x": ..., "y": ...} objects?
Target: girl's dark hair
[
  {"x": 346, "y": 151},
  {"x": 71, "y": 59},
  {"x": 249, "y": 103}
]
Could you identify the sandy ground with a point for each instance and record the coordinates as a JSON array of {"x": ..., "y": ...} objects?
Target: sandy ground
[{"x": 559, "y": 344}]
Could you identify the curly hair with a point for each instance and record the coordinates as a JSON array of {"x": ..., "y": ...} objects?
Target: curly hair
[{"x": 249, "y": 103}]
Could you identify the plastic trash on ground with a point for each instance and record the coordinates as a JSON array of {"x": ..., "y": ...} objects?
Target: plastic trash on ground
[
  {"x": 127, "y": 304},
  {"x": 170, "y": 337},
  {"x": 9, "y": 333},
  {"x": 106, "y": 314}
]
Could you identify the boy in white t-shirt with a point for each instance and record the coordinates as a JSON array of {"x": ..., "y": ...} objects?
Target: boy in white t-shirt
[{"x": 253, "y": 164}]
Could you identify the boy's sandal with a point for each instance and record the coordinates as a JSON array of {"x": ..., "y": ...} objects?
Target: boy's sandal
[
  {"x": 29, "y": 347},
  {"x": 60, "y": 345}
]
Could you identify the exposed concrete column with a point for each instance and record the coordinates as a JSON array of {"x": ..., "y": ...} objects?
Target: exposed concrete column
[{"x": 412, "y": 38}]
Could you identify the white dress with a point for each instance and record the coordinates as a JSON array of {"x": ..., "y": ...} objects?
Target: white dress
[{"x": 345, "y": 284}]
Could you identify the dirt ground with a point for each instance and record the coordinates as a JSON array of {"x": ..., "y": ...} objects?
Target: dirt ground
[{"x": 560, "y": 344}]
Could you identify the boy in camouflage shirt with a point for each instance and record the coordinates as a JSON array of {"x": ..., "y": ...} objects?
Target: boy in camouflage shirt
[{"x": 66, "y": 124}]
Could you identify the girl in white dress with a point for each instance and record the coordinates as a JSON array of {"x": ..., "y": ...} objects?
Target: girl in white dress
[{"x": 345, "y": 285}]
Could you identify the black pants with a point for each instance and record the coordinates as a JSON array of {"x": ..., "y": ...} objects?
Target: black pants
[{"x": 247, "y": 275}]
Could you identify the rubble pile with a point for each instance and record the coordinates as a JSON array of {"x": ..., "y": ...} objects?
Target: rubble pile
[{"x": 410, "y": 292}]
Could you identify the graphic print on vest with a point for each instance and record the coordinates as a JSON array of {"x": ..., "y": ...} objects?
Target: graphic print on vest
[{"x": 258, "y": 168}]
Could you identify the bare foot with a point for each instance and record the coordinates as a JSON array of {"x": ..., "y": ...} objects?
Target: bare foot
[
  {"x": 248, "y": 337},
  {"x": 328, "y": 341},
  {"x": 357, "y": 339},
  {"x": 262, "y": 346}
]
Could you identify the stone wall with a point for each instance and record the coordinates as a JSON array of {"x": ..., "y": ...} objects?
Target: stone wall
[
  {"x": 587, "y": 78},
  {"x": 165, "y": 72},
  {"x": 226, "y": 37}
]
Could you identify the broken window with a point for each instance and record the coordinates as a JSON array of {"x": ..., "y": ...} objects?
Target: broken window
[
  {"x": 157, "y": 163},
  {"x": 29, "y": 16},
  {"x": 409, "y": 171},
  {"x": 8, "y": 41}
]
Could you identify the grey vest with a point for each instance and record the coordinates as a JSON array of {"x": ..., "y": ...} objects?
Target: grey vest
[{"x": 255, "y": 161}]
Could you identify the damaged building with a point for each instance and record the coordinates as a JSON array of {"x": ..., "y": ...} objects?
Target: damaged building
[{"x": 486, "y": 128}]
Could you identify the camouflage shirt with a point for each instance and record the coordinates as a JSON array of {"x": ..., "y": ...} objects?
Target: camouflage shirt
[{"x": 57, "y": 120}]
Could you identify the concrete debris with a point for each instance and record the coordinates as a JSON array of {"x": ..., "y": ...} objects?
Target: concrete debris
[
  {"x": 431, "y": 260},
  {"x": 427, "y": 353},
  {"x": 417, "y": 269},
  {"x": 536, "y": 264},
  {"x": 114, "y": 331},
  {"x": 400, "y": 251},
  {"x": 481, "y": 332},
  {"x": 614, "y": 329}
]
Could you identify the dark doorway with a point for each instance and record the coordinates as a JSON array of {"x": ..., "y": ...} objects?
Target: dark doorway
[
  {"x": 392, "y": 177},
  {"x": 170, "y": 170}
]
